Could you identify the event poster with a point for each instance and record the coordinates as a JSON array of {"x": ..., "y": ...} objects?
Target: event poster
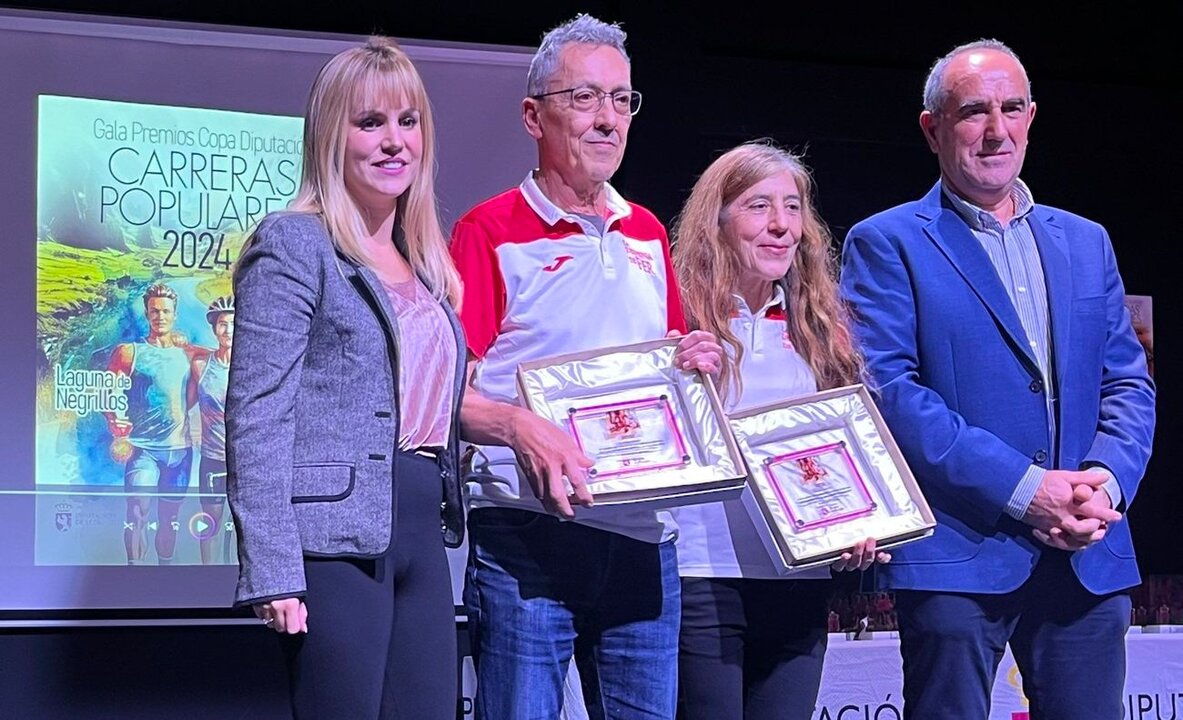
[
  {"x": 1141, "y": 309},
  {"x": 141, "y": 213}
]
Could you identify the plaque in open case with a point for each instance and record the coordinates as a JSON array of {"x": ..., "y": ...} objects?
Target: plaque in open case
[
  {"x": 825, "y": 473},
  {"x": 658, "y": 434}
]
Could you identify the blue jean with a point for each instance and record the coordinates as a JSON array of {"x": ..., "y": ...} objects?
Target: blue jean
[{"x": 540, "y": 591}]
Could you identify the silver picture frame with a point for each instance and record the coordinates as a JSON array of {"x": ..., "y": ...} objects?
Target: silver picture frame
[
  {"x": 824, "y": 474},
  {"x": 658, "y": 434}
]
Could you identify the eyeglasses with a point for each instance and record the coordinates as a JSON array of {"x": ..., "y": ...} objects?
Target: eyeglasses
[{"x": 590, "y": 100}]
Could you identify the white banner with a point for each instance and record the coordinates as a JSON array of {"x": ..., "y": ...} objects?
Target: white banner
[{"x": 863, "y": 680}]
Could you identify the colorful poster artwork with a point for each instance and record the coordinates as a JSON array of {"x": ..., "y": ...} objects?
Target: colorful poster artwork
[
  {"x": 141, "y": 213},
  {"x": 1141, "y": 310}
]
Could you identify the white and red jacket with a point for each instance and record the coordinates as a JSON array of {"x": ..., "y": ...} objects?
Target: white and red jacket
[{"x": 540, "y": 281}]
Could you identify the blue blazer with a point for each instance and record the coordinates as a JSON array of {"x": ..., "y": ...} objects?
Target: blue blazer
[
  {"x": 312, "y": 410},
  {"x": 963, "y": 396}
]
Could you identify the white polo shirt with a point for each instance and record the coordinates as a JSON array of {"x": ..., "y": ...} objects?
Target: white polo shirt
[
  {"x": 719, "y": 539},
  {"x": 540, "y": 281}
]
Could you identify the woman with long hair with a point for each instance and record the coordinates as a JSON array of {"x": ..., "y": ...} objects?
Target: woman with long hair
[
  {"x": 342, "y": 403},
  {"x": 756, "y": 270}
]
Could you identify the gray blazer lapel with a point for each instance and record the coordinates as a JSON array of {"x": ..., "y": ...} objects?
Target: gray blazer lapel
[
  {"x": 461, "y": 374},
  {"x": 451, "y": 509},
  {"x": 368, "y": 282}
]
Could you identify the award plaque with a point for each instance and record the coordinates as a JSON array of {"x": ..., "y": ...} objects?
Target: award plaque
[
  {"x": 824, "y": 474},
  {"x": 629, "y": 437},
  {"x": 657, "y": 434}
]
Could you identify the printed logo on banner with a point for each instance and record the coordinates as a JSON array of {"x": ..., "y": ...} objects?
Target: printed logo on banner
[
  {"x": 1014, "y": 697},
  {"x": 63, "y": 517}
]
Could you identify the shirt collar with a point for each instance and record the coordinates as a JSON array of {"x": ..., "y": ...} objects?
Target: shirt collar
[
  {"x": 979, "y": 219},
  {"x": 774, "y": 308},
  {"x": 618, "y": 207}
]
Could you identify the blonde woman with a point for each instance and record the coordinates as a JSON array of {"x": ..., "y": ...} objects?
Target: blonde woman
[
  {"x": 756, "y": 269},
  {"x": 341, "y": 406}
]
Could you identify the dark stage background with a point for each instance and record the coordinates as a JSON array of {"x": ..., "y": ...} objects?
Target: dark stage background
[{"x": 840, "y": 81}]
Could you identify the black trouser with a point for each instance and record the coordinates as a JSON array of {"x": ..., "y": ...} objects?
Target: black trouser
[
  {"x": 381, "y": 639},
  {"x": 751, "y": 649}
]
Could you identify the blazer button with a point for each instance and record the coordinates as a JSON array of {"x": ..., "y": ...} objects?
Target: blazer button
[
  {"x": 444, "y": 505},
  {"x": 1040, "y": 456},
  {"x": 1036, "y": 386}
]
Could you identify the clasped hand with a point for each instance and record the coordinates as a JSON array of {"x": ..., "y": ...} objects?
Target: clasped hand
[{"x": 1070, "y": 511}]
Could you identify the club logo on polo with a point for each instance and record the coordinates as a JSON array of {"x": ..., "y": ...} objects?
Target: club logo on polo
[{"x": 558, "y": 263}]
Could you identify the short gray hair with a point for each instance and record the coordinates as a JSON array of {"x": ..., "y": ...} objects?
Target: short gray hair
[
  {"x": 583, "y": 29},
  {"x": 934, "y": 93}
]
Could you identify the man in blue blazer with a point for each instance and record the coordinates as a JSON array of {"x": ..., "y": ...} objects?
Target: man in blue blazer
[{"x": 1007, "y": 369}]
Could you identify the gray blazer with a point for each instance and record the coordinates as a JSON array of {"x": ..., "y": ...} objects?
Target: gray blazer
[{"x": 312, "y": 421}]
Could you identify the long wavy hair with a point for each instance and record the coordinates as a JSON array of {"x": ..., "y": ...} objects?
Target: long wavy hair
[
  {"x": 361, "y": 76},
  {"x": 708, "y": 270}
]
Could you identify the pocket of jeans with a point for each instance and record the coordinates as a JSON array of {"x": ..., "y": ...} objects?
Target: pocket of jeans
[{"x": 506, "y": 519}]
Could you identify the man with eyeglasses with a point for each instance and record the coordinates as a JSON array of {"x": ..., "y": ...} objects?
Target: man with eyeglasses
[{"x": 562, "y": 264}]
